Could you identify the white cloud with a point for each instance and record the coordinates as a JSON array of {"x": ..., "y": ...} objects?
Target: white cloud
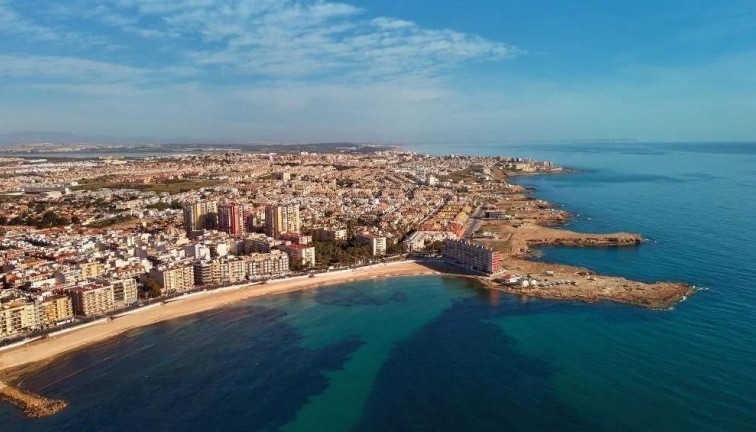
[
  {"x": 67, "y": 69},
  {"x": 301, "y": 38},
  {"x": 13, "y": 22}
]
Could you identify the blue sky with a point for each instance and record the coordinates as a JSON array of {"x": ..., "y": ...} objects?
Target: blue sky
[{"x": 380, "y": 70}]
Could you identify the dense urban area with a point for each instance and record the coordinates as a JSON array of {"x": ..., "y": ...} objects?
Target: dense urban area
[{"x": 86, "y": 238}]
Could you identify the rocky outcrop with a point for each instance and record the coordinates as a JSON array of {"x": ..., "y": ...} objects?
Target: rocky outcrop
[
  {"x": 588, "y": 240},
  {"x": 652, "y": 296}
]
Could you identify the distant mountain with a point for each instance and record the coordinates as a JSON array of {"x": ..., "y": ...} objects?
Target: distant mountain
[
  {"x": 68, "y": 138},
  {"x": 59, "y": 142}
]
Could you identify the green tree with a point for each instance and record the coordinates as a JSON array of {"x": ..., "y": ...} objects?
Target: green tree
[{"x": 152, "y": 288}]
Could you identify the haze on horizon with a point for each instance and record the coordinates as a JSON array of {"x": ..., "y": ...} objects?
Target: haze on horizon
[{"x": 380, "y": 70}]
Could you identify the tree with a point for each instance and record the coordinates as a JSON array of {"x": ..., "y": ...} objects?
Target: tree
[
  {"x": 152, "y": 287},
  {"x": 436, "y": 247}
]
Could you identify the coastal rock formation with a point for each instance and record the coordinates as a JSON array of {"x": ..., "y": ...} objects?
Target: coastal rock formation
[
  {"x": 33, "y": 405},
  {"x": 661, "y": 295},
  {"x": 531, "y": 224},
  {"x": 588, "y": 240},
  {"x": 564, "y": 282}
]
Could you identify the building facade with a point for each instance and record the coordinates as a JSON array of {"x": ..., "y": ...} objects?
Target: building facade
[
  {"x": 92, "y": 299},
  {"x": 282, "y": 219},
  {"x": 270, "y": 265},
  {"x": 472, "y": 256},
  {"x": 177, "y": 277},
  {"x": 200, "y": 215},
  {"x": 302, "y": 255},
  {"x": 231, "y": 218},
  {"x": 377, "y": 244}
]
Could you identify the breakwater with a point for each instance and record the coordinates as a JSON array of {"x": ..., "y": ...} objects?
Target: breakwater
[{"x": 33, "y": 405}]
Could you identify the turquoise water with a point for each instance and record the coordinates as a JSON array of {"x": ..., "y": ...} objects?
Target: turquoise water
[{"x": 432, "y": 353}]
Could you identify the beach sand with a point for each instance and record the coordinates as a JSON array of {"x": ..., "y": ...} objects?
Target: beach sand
[{"x": 48, "y": 349}]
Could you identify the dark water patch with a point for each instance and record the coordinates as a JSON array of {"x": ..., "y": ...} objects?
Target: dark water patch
[
  {"x": 460, "y": 372},
  {"x": 355, "y": 295},
  {"x": 241, "y": 370},
  {"x": 595, "y": 148},
  {"x": 702, "y": 176},
  {"x": 714, "y": 148}
]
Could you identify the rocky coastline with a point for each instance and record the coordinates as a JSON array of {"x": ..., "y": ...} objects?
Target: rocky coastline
[{"x": 532, "y": 223}]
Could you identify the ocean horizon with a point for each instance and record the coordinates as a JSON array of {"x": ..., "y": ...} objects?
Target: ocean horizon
[{"x": 442, "y": 353}]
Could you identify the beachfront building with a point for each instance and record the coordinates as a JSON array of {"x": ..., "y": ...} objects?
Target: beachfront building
[
  {"x": 282, "y": 219},
  {"x": 125, "y": 291},
  {"x": 176, "y": 277},
  {"x": 23, "y": 315},
  {"x": 472, "y": 256},
  {"x": 219, "y": 271},
  {"x": 377, "y": 244},
  {"x": 55, "y": 309},
  {"x": 92, "y": 299},
  {"x": 18, "y": 316},
  {"x": 269, "y": 265},
  {"x": 302, "y": 255}
]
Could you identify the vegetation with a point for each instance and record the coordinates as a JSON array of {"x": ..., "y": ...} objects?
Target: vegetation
[
  {"x": 170, "y": 186},
  {"x": 111, "y": 221},
  {"x": 152, "y": 288},
  {"x": 164, "y": 206},
  {"x": 49, "y": 219},
  {"x": 434, "y": 247},
  {"x": 348, "y": 253}
]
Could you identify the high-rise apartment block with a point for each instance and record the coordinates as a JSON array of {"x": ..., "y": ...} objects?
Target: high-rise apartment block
[
  {"x": 472, "y": 256},
  {"x": 200, "y": 215},
  {"x": 282, "y": 219},
  {"x": 231, "y": 218}
]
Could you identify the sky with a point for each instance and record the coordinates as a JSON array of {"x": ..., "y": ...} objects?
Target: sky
[{"x": 383, "y": 71}]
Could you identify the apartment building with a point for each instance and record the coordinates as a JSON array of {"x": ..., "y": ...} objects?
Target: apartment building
[
  {"x": 92, "y": 299},
  {"x": 177, "y": 277},
  {"x": 282, "y": 219},
  {"x": 300, "y": 254},
  {"x": 231, "y": 218},
  {"x": 54, "y": 310},
  {"x": 260, "y": 243},
  {"x": 91, "y": 270},
  {"x": 377, "y": 244},
  {"x": 125, "y": 291},
  {"x": 17, "y": 317},
  {"x": 199, "y": 215},
  {"x": 472, "y": 256},
  {"x": 329, "y": 234},
  {"x": 219, "y": 271},
  {"x": 262, "y": 266},
  {"x": 22, "y": 315}
]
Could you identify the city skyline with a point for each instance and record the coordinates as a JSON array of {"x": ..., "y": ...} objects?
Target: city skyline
[{"x": 368, "y": 71}]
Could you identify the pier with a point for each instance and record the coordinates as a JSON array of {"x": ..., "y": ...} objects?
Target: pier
[{"x": 33, "y": 405}]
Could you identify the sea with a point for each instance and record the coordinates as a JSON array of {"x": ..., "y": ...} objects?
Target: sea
[{"x": 432, "y": 353}]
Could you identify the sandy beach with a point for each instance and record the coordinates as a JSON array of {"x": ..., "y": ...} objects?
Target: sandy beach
[{"x": 47, "y": 349}]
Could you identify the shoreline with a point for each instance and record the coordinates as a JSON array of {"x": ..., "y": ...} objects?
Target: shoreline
[{"x": 16, "y": 362}]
